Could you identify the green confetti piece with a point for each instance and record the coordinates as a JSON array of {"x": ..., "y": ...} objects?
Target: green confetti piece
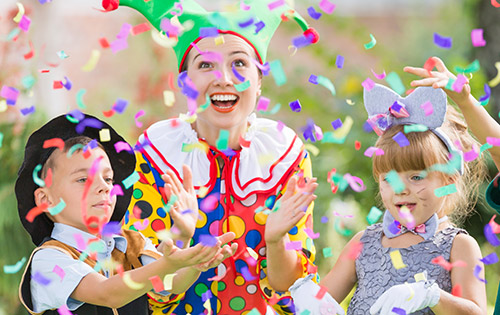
[
  {"x": 28, "y": 81},
  {"x": 340, "y": 181},
  {"x": 372, "y": 43},
  {"x": 396, "y": 183},
  {"x": 277, "y": 205},
  {"x": 277, "y": 72},
  {"x": 1, "y": 139},
  {"x": 395, "y": 83},
  {"x": 170, "y": 203},
  {"x": 340, "y": 230},
  {"x": 222, "y": 141},
  {"x": 415, "y": 128},
  {"x": 327, "y": 84},
  {"x": 327, "y": 252},
  {"x": 57, "y": 208},
  {"x": 96, "y": 247},
  {"x": 329, "y": 137},
  {"x": 449, "y": 85},
  {"x": 37, "y": 179},
  {"x": 204, "y": 106},
  {"x": 97, "y": 267},
  {"x": 242, "y": 86},
  {"x": 445, "y": 190},
  {"x": 13, "y": 33},
  {"x": 451, "y": 167},
  {"x": 11, "y": 269},
  {"x": 273, "y": 111},
  {"x": 485, "y": 102},
  {"x": 73, "y": 149},
  {"x": 83, "y": 256},
  {"x": 131, "y": 180},
  {"x": 374, "y": 215},
  {"x": 485, "y": 147},
  {"x": 72, "y": 119},
  {"x": 472, "y": 67},
  {"x": 79, "y": 99},
  {"x": 305, "y": 312}
]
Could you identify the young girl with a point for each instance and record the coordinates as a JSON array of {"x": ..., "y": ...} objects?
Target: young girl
[{"x": 404, "y": 264}]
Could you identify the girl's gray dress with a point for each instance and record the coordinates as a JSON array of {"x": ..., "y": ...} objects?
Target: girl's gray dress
[{"x": 376, "y": 272}]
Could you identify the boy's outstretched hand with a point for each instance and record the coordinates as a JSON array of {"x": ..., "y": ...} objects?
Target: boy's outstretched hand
[
  {"x": 439, "y": 79},
  {"x": 201, "y": 257},
  {"x": 185, "y": 223},
  {"x": 293, "y": 207}
]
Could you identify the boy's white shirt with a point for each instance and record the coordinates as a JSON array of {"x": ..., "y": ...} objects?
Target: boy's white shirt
[{"x": 58, "y": 291}]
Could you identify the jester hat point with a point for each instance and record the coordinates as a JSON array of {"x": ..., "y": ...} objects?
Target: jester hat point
[{"x": 256, "y": 24}]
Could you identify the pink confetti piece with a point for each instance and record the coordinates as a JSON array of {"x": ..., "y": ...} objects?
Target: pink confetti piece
[
  {"x": 327, "y": 6},
  {"x": 280, "y": 126},
  {"x": 379, "y": 76},
  {"x": 118, "y": 45},
  {"x": 368, "y": 84},
  {"x": 80, "y": 242},
  {"x": 356, "y": 183},
  {"x": 116, "y": 190},
  {"x": 275, "y": 4},
  {"x": 63, "y": 310},
  {"x": 321, "y": 293},
  {"x": 311, "y": 233},
  {"x": 59, "y": 271},
  {"x": 373, "y": 150},
  {"x": 447, "y": 265},
  {"x": 354, "y": 250},
  {"x": 494, "y": 226},
  {"x": 244, "y": 6},
  {"x": 427, "y": 108},
  {"x": 9, "y": 93},
  {"x": 295, "y": 245},
  {"x": 493, "y": 141},
  {"x": 123, "y": 146},
  {"x": 139, "y": 114},
  {"x": 24, "y": 24},
  {"x": 459, "y": 83},
  {"x": 141, "y": 225},
  {"x": 263, "y": 103},
  {"x": 210, "y": 203},
  {"x": 472, "y": 154},
  {"x": 477, "y": 37},
  {"x": 124, "y": 31},
  {"x": 219, "y": 277}
]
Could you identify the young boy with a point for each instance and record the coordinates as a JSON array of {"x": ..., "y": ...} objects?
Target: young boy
[{"x": 66, "y": 212}]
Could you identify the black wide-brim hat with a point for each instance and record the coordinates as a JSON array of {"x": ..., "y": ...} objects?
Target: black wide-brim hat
[{"x": 66, "y": 127}]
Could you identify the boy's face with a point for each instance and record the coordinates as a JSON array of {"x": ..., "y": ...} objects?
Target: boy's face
[{"x": 70, "y": 180}]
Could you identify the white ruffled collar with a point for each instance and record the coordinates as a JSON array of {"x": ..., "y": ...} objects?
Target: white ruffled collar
[{"x": 256, "y": 168}]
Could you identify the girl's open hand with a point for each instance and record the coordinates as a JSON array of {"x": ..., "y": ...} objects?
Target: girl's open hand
[
  {"x": 293, "y": 207},
  {"x": 184, "y": 211},
  {"x": 439, "y": 79}
]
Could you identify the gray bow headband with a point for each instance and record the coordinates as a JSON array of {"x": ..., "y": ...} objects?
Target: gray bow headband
[{"x": 386, "y": 108}]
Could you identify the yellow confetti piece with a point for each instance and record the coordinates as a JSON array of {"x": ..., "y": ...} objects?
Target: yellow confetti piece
[
  {"x": 208, "y": 306},
  {"x": 131, "y": 283},
  {"x": 3, "y": 106},
  {"x": 202, "y": 191},
  {"x": 163, "y": 235},
  {"x": 349, "y": 102},
  {"x": 104, "y": 135},
  {"x": 266, "y": 159},
  {"x": 397, "y": 260},
  {"x": 94, "y": 58},
  {"x": 188, "y": 119},
  {"x": 292, "y": 50},
  {"x": 312, "y": 149},
  {"x": 168, "y": 98},
  {"x": 412, "y": 294},
  {"x": 420, "y": 277},
  {"x": 163, "y": 40},
  {"x": 494, "y": 82},
  {"x": 344, "y": 130},
  {"x": 20, "y": 13},
  {"x": 202, "y": 146},
  {"x": 252, "y": 253},
  {"x": 219, "y": 40},
  {"x": 168, "y": 280}
]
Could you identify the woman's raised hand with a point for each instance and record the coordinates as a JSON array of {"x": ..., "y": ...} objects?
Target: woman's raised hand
[
  {"x": 293, "y": 207},
  {"x": 184, "y": 211}
]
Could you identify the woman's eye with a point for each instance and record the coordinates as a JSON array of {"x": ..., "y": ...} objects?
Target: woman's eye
[
  {"x": 205, "y": 65},
  {"x": 416, "y": 178},
  {"x": 82, "y": 180},
  {"x": 239, "y": 63},
  {"x": 109, "y": 180}
]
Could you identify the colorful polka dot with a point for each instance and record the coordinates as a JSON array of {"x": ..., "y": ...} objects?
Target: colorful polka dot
[
  {"x": 251, "y": 288},
  {"x": 236, "y": 225},
  {"x": 200, "y": 288},
  {"x": 260, "y": 218},
  {"x": 293, "y": 231},
  {"x": 202, "y": 220},
  {"x": 137, "y": 194},
  {"x": 239, "y": 280},
  {"x": 237, "y": 303},
  {"x": 253, "y": 238},
  {"x": 161, "y": 212},
  {"x": 188, "y": 308},
  {"x": 158, "y": 225}
]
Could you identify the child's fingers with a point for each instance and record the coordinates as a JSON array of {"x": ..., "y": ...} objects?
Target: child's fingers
[
  {"x": 291, "y": 186},
  {"x": 175, "y": 182},
  {"x": 421, "y": 72},
  {"x": 440, "y": 66},
  {"x": 226, "y": 237},
  {"x": 425, "y": 82},
  {"x": 188, "y": 178}
]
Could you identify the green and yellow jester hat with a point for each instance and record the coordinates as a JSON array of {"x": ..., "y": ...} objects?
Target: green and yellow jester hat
[{"x": 255, "y": 23}]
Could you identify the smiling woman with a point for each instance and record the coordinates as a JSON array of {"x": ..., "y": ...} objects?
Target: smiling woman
[{"x": 240, "y": 164}]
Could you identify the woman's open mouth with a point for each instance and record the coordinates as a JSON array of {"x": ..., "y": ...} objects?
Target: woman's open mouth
[{"x": 224, "y": 102}]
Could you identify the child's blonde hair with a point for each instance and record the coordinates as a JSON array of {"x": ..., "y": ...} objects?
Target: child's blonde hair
[{"x": 425, "y": 150}]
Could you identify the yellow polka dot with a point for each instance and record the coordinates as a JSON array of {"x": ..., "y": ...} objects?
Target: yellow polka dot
[
  {"x": 214, "y": 288},
  {"x": 202, "y": 219},
  {"x": 260, "y": 218},
  {"x": 188, "y": 308},
  {"x": 236, "y": 225},
  {"x": 219, "y": 305},
  {"x": 239, "y": 280}
]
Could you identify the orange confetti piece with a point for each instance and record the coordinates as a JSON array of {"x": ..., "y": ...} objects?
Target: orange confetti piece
[
  {"x": 429, "y": 65},
  {"x": 244, "y": 143},
  {"x": 48, "y": 178},
  {"x": 321, "y": 293},
  {"x": 495, "y": 3},
  {"x": 54, "y": 142},
  {"x": 157, "y": 283},
  {"x": 446, "y": 265},
  {"x": 108, "y": 113},
  {"x": 354, "y": 250},
  {"x": 31, "y": 53},
  {"x": 357, "y": 145},
  {"x": 34, "y": 212},
  {"x": 104, "y": 42},
  {"x": 170, "y": 80},
  {"x": 57, "y": 85},
  {"x": 457, "y": 290}
]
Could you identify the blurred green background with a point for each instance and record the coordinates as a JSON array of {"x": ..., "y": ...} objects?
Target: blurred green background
[{"x": 404, "y": 31}]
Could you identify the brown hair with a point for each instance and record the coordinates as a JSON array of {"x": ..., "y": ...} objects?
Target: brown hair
[
  {"x": 68, "y": 144},
  {"x": 427, "y": 149}
]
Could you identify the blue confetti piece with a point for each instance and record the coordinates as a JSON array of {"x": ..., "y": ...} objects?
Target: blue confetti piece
[
  {"x": 401, "y": 139},
  {"x": 208, "y": 240},
  {"x": 120, "y": 105},
  {"x": 27, "y": 110},
  {"x": 295, "y": 106},
  {"x": 259, "y": 26},
  {"x": 246, "y": 23},
  {"x": 443, "y": 42},
  {"x": 313, "y": 79},
  {"x": 339, "y": 62},
  {"x": 111, "y": 228},
  {"x": 209, "y": 32},
  {"x": 336, "y": 124},
  {"x": 313, "y": 13},
  {"x": 38, "y": 277}
]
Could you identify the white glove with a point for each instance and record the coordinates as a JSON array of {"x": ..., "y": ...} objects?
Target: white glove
[
  {"x": 408, "y": 296},
  {"x": 304, "y": 292}
]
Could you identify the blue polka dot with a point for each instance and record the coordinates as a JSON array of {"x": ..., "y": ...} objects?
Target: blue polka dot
[
  {"x": 240, "y": 264},
  {"x": 125, "y": 218},
  {"x": 253, "y": 238},
  {"x": 161, "y": 212},
  {"x": 262, "y": 274},
  {"x": 294, "y": 230},
  {"x": 270, "y": 201}
]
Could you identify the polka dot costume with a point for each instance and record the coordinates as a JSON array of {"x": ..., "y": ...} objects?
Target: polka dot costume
[{"x": 244, "y": 284}]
